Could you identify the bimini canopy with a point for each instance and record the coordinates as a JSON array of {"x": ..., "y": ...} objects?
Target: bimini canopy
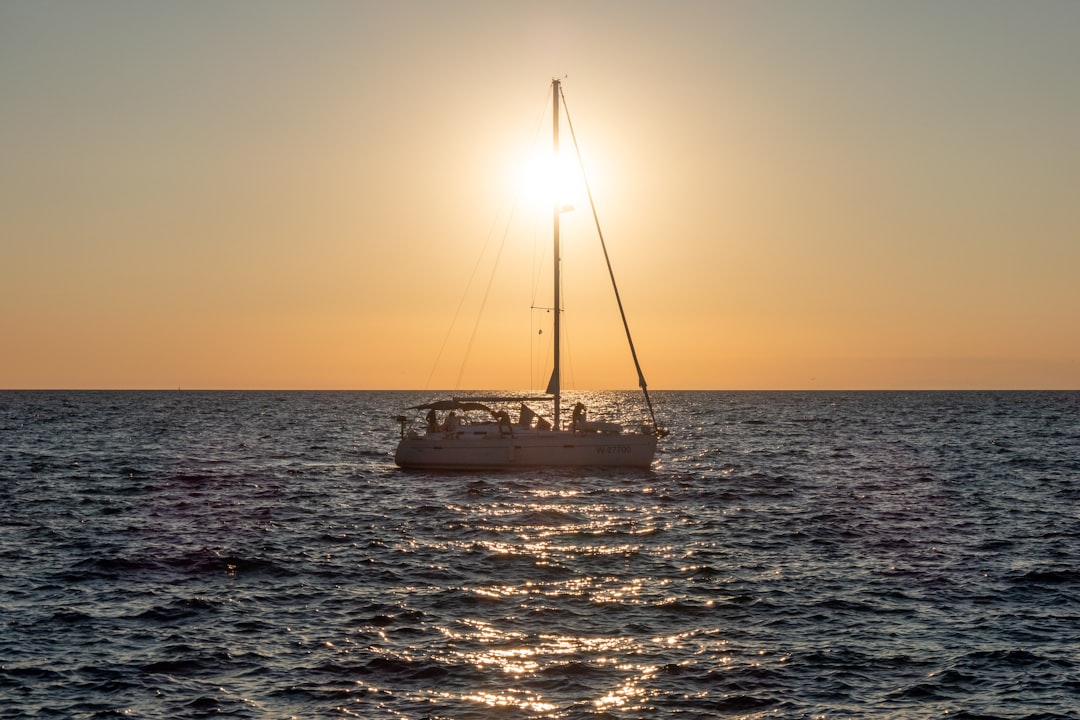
[{"x": 452, "y": 405}]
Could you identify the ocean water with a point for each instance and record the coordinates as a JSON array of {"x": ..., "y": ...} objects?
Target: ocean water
[{"x": 790, "y": 555}]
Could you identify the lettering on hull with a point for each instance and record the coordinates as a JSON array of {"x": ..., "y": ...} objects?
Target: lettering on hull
[{"x": 613, "y": 450}]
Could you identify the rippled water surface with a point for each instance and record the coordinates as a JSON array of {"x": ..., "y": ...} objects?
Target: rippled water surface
[{"x": 790, "y": 555}]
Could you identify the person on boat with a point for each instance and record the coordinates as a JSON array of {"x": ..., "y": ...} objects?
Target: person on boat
[
  {"x": 432, "y": 421},
  {"x": 577, "y": 417},
  {"x": 503, "y": 419},
  {"x": 451, "y": 424}
]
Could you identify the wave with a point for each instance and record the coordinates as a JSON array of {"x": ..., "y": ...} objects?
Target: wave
[{"x": 194, "y": 563}]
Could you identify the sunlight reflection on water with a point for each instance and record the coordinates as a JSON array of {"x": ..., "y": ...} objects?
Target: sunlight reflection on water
[{"x": 516, "y": 654}]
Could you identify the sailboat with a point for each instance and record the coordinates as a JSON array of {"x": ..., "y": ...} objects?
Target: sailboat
[{"x": 478, "y": 433}]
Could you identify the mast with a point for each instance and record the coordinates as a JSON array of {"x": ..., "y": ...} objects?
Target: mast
[{"x": 555, "y": 386}]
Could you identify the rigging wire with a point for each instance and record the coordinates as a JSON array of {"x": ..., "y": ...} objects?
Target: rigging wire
[
  {"x": 537, "y": 329},
  {"x": 461, "y": 303},
  {"x": 502, "y": 243},
  {"x": 661, "y": 432},
  {"x": 483, "y": 301},
  {"x": 539, "y": 263}
]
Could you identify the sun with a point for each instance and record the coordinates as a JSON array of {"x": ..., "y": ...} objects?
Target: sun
[{"x": 545, "y": 181}]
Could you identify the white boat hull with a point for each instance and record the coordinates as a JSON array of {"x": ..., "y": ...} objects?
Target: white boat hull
[{"x": 488, "y": 451}]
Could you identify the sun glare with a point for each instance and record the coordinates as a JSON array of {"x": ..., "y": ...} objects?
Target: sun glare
[{"x": 545, "y": 181}]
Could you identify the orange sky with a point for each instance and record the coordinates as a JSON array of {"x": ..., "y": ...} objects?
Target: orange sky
[{"x": 295, "y": 195}]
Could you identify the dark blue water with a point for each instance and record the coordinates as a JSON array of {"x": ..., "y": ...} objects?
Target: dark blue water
[{"x": 791, "y": 555}]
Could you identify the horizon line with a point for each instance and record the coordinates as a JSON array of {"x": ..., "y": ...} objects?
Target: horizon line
[{"x": 565, "y": 392}]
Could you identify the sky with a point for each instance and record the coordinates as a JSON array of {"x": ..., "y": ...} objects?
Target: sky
[{"x": 325, "y": 195}]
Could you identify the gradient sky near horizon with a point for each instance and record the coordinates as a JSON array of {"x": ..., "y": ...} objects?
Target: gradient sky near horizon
[{"x": 795, "y": 195}]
